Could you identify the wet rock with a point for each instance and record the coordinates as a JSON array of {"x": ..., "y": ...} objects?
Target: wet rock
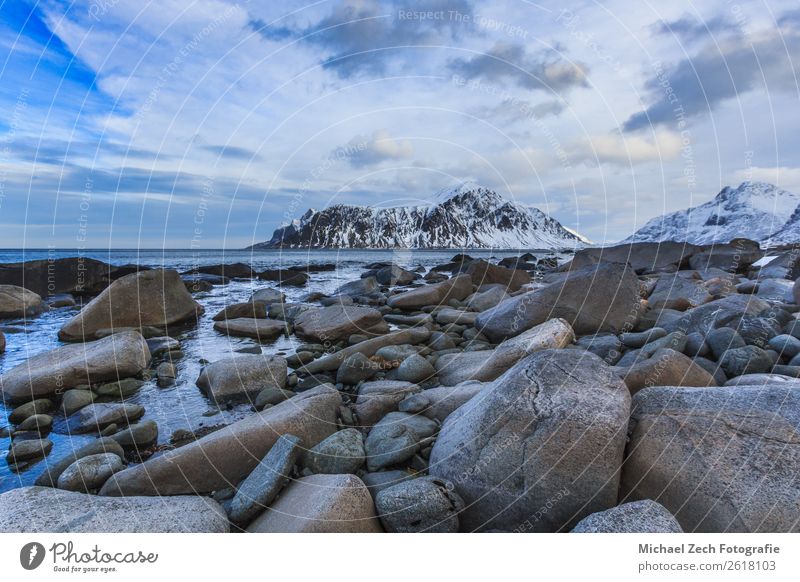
[
  {"x": 723, "y": 460},
  {"x": 260, "y": 329},
  {"x": 249, "y": 310},
  {"x": 447, "y": 316},
  {"x": 242, "y": 376},
  {"x": 358, "y": 287},
  {"x": 285, "y": 277},
  {"x": 46, "y": 510},
  {"x": 679, "y": 293},
  {"x": 636, "y": 517},
  {"x": 138, "y": 436},
  {"x": 89, "y": 473},
  {"x": 484, "y": 300},
  {"x": 320, "y": 504},
  {"x": 267, "y": 296},
  {"x": 395, "y": 275},
  {"x": 38, "y": 406},
  {"x": 271, "y": 396},
  {"x": 40, "y": 423},
  {"x": 261, "y": 486},
  {"x": 166, "y": 373},
  {"x": 549, "y": 432},
  {"x": 162, "y": 345},
  {"x": 117, "y": 356},
  {"x": 119, "y": 389},
  {"x": 484, "y": 273},
  {"x": 426, "y": 504},
  {"x": 148, "y": 298},
  {"x": 722, "y": 339},
  {"x": 342, "y": 452},
  {"x": 28, "y": 450},
  {"x": 396, "y": 438},
  {"x": 19, "y": 302},
  {"x": 95, "y": 417},
  {"x": 638, "y": 340},
  {"x": 227, "y": 455},
  {"x": 337, "y": 322},
  {"x": 786, "y": 345}
]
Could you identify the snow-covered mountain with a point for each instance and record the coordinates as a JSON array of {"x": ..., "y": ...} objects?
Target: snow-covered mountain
[
  {"x": 754, "y": 210},
  {"x": 464, "y": 217}
]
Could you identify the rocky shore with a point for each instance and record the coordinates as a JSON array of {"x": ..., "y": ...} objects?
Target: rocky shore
[{"x": 639, "y": 388}]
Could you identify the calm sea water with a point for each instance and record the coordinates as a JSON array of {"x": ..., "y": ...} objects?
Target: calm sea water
[{"x": 183, "y": 406}]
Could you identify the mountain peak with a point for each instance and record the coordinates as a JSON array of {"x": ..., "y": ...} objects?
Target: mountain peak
[{"x": 458, "y": 189}]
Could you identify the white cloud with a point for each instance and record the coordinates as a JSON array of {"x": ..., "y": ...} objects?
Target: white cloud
[{"x": 626, "y": 150}]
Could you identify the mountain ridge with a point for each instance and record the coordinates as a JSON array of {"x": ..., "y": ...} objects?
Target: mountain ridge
[{"x": 466, "y": 216}]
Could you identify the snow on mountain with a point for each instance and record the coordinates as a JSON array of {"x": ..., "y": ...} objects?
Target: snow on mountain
[
  {"x": 754, "y": 210},
  {"x": 467, "y": 216}
]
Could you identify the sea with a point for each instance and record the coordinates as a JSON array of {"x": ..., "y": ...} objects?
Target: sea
[{"x": 182, "y": 405}]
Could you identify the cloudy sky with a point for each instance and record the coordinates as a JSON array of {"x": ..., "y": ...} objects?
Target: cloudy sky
[{"x": 207, "y": 123}]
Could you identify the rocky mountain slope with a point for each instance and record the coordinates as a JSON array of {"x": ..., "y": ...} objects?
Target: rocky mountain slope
[
  {"x": 468, "y": 216},
  {"x": 755, "y": 210}
]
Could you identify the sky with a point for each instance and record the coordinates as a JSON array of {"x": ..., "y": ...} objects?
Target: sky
[{"x": 206, "y": 124}]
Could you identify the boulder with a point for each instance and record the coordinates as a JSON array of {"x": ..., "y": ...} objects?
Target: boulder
[
  {"x": 97, "y": 416},
  {"x": 716, "y": 313},
  {"x": 260, "y": 329},
  {"x": 285, "y": 277},
  {"x": 376, "y": 399},
  {"x": 250, "y": 310},
  {"x": 456, "y": 368},
  {"x": 340, "y": 453},
  {"x": 261, "y": 486},
  {"x": 230, "y": 271},
  {"x": 426, "y": 504},
  {"x": 224, "y": 457},
  {"x": 117, "y": 356},
  {"x": 447, "y": 315},
  {"x": 267, "y": 296},
  {"x": 745, "y": 360},
  {"x": 666, "y": 368},
  {"x": 644, "y": 257},
  {"x": 155, "y": 298},
  {"x": 358, "y": 287},
  {"x": 321, "y": 504},
  {"x": 540, "y": 447},
  {"x": 635, "y": 517},
  {"x": 776, "y": 290},
  {"x": 396, "y": 438},
  {"x": 138, "y": 436},
  {"x": 38, "y": 406},
  {"x": 19, "y": 302},
  {"x": 720, "y": 459},
  {"x": 679, "y": 293},
  {"x": 595, "y": 299},
  {"x": 53, "y": 469},
  {"x": 368, "y": 348},
  {"x": 459, "y": 287},
  {"x": 336, "y": 322},
  {"x": 415, "y": 369},
  {"x": 394, "y": 275},
  {"x": 484, "y": 273},
  {"x": 89, "y": 473},
  {"x": 47, "y": 510},
  {"x": 440, "y": 402},
  {"x": 28, "y": 449},
  {"x": 483, "y": 300},
  {"x": 356, "y": 368},
  {"x": 242, "y": 377}
]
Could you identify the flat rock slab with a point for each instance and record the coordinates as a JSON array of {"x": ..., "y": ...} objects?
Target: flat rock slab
[
  {"x": 260, "y": 329},
  {"x": 321, "y": 504},
  {"x": 459, "y": 287},
  {"x": 226, "y": 456},
  {"x": 48, "y": 510},
  {"x": 117, "y": 356},
  {"x": 335, "y": 322},
  {"x": 242, "y": 376},
  {"x": 95, "y": 417}
]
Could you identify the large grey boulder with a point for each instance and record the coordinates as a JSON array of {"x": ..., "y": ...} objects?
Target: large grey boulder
[
  {"x": 665, "y": 368},
  {"x": 47, "y": 510},
  {"x": 321, "y": 504},
  {"x": 336, "y": 322},
  {"x": 340, "y": 453},
  {"x": 485, "y": 273},
  {"x": 97, "y": 416},
  {"x": 644, "y": 516},
  {"x": 453, "y": 369},
  {"x": 114, "y": 357},
  {"x": 157, "y": 298},
  {"x": 224, "y": 457},
  {"x": 53, "y": 469},
  {"x": 396, "y": 438},
  {"x": 600, "y": 298},
  {"x": 540, "y": 447},
  {"x": 259, "y": 329},
  {"x": 19, "y": 302},
  {"x": 644, "y": 257},
  {"x": 440, "y": 402},
  {"x": 715, "y": 314},
  {"x": 720, "y": 459},
  {"x": 459, "y": 287},
  {"x": 426, "y": 504},
  {"x": 680, "y": 293},
  {"x": 242, "y": 376}
]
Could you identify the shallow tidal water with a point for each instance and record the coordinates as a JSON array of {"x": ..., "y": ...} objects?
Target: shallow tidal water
[{"x": 182, "y": 405}]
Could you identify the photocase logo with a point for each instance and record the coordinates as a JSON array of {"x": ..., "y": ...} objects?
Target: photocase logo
[{"x": 31, "y": 555}]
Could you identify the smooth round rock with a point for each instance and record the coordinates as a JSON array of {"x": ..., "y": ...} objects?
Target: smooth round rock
[
  {"x": 341, "y": 453},
  {"x": 426, "y": 504},
  {"x": 89, "y": 473}
]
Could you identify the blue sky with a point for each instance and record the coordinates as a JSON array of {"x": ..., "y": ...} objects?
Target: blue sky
[{"x": 208, "y": 123}]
